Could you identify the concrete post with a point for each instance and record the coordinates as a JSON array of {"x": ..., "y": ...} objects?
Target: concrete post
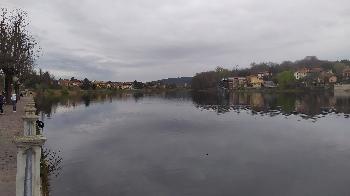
[
  {"x": 30, "y": 125},
  {"x": 28, "y": 174},
  {"x": 28, "y": 182},
  {"x": 20, "y": 176},
  {"x": 25, "y": 143},
  {"x": 36, "y": 169},
  {"x": 29, "y": 110},
  {"x": 30, "y": 118}
]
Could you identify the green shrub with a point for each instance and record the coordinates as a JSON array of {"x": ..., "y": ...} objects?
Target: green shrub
[{"x": 64, "y": 92}]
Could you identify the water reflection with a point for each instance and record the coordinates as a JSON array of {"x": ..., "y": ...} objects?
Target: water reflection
[
  {"x": 49, "y": 104},
  {"x": 50, "y": 167},
  {"x": 306, "y": 105}
]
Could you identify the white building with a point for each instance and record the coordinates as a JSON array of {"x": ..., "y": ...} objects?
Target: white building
[{"x": 302, "y": 73}]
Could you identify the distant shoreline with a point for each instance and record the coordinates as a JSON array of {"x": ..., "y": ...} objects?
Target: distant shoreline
[
  {"x": 80, "y": 92},
  {"x": 77, "y": 92},
  {"x": 268, "y": 90}
]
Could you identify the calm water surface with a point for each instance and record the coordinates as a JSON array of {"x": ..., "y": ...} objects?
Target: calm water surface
[{"x": 200, "y": 144}]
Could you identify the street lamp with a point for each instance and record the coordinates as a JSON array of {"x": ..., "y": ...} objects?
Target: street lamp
[
  {"x": 2, "y": 76},
  {"x": 15, "y": 84},
  {"x": 15, "y": 79}
]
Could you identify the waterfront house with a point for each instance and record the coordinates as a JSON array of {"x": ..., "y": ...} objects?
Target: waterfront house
[
  {"x": 264, "y": 74},
  {"x": 76, "y": 83},
  {"x": 99, "y": 84},
  {"x": 332, "y": 79},
  {"x": 64, "y": 82},
  {"x": 254, "y": 81},
  {"x": 237, "y": 82},
  {"x": 126, "y": 85},
  {"x": 115, "y": 85},
  {"x": 301, "y": 73},
  {"x": 346, "y": 73},
  {"x": 69, "y": 83},
  {"x": 233, "y": 83},
  {"x": 109, "y": 85},
  {"x": 326, "y": 78}
]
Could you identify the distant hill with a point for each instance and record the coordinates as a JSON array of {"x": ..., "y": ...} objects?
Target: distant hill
[{"x": 181, "y": 81}]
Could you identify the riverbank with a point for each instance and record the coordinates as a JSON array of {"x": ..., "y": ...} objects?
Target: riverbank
[
  {"x": 11, "y": 124},
  {"x": 79, "y": 92}
]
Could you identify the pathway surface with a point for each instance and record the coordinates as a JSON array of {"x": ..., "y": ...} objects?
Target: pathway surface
[{"x": 11, "y": 124}]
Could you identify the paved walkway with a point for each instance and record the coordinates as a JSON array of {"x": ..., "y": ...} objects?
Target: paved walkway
[{"x": 11, "y": 124}]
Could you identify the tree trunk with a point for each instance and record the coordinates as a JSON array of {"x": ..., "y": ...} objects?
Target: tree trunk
[{"x": 8, "y": 87}]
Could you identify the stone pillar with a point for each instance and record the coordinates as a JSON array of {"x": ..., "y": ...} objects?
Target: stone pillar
[
  {"x": 24, "y": 144},
  {"x": 36, "y": 168},
  {"x": 30, "y": 125},
  {"x": 29, "y": 110},
  {"x": 29, "y": 145},
  {"x": 20, "y": 176}
]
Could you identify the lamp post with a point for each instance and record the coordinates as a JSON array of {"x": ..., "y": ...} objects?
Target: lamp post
[
  {"x": 15, "y": 80},
  {"x": 2, "y": 75},
  {"x": 15, "y": 85}
]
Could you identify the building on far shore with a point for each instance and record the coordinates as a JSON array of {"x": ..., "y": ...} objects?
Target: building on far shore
[
  {"x": 301, "y": 73},
  {"x": 99, "y": 84},
  {"x": 236, "y": 82},
  {"x": 264, "y": 74},
  {"x": 126, "y": 85},
  {"x": 326, "y": 78},
  {"x": 333, "y": 79},
  {"x": 64, "y": 82},
  {"x": 346, "y": 73},
  {"x": 255, "y": 81}
]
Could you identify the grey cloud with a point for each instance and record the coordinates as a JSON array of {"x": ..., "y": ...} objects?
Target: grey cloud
[
  {"x": 65, "y": 65},
  {"x": 147, "y": 40}
]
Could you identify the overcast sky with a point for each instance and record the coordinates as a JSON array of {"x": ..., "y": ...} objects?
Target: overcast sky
[{"x": 124, "y": 40}]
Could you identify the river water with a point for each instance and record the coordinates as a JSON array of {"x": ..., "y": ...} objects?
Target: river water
[{"x": 180, "y": 143}]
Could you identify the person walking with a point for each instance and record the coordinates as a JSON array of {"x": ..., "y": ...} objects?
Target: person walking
[
  {"x": 14, "y": 101},
  {"x": 2, "y": 101}
]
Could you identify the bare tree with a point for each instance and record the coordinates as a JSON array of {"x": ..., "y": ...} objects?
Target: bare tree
[{"x": 18, "y": 49}]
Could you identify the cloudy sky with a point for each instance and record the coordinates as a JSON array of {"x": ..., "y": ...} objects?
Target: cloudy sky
[{"x": 124, "y": 40}]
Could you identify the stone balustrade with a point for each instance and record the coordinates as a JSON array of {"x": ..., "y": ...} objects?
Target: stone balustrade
[{"x": 29, "y": 145}]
